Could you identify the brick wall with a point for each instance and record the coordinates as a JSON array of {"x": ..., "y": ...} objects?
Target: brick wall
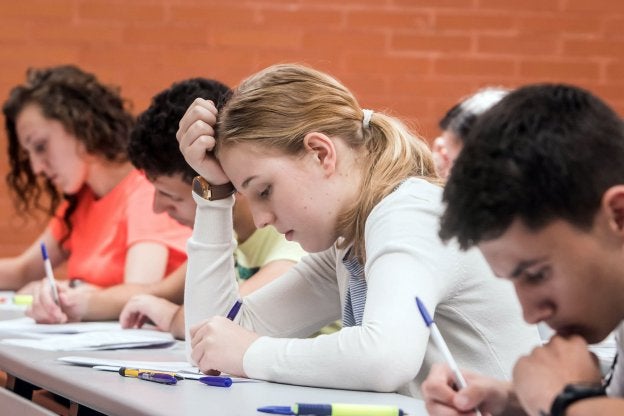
[{"x": 412, "y": 58}]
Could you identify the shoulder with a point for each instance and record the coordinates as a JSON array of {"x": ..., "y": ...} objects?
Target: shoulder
[{"x": 413, "y": 201}]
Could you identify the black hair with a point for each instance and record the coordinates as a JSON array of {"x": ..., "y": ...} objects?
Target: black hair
[
  {"x": 153, "y": 147},
  {"x": 544, "y": 152},
  {"x": 460, "y": 118}
]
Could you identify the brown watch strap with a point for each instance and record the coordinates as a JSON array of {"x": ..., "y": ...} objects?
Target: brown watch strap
[{"x": 212, "y": 192}]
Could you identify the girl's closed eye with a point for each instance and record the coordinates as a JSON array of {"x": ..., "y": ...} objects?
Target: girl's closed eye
[
  {"x": 40, "y": 147},
  {"x": 266, "y": 192}
]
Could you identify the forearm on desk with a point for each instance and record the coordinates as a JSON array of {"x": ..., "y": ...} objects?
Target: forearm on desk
[{"x": 107, "y": 303}]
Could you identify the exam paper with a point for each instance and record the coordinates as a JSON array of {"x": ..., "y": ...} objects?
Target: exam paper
[
  {"x": 27, "y": 325},
  {"x": 175, "y": 366},
  {"x": 97, "y": 340}
]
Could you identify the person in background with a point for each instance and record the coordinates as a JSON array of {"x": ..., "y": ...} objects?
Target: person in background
[
  {"x": 539, "y": 188},
  {"x": 67, "y": 137},
  {"x": 456, "y": 124},
  {"x": 261, "y": 254},
  {"x": 360, "y": 193}
]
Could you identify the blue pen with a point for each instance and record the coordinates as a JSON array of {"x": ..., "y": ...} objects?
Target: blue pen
[
  {"x": 216, "y": 381},
  {"x": 49, "y": 273},
  {"x": 234, "y": 311},
  {"x": 441, "y": 344},
  {"x": 336, "y": 409}
]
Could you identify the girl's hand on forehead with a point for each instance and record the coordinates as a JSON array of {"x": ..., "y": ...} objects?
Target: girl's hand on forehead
[{"x": 196, "y": 137}]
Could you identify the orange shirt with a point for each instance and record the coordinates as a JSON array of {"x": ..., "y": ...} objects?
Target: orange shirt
[{"x": 104, "y": 229}]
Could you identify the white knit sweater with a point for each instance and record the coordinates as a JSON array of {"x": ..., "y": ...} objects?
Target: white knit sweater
[{"x": 478, "y": 314}]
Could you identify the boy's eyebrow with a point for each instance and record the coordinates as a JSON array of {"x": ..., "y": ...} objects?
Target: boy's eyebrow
[{"x": 523, "y": 265}]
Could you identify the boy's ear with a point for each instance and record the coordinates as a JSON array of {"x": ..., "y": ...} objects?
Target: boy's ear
[
  {"x": 613, "y": 204},
  {"x": 322, "y": 149}
]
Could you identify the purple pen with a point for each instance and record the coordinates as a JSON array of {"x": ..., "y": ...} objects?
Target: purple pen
[
  {"x": 234, "y": 311},
  {"x": 216, "y": 381},
  {"x": 158, "y": 377}
]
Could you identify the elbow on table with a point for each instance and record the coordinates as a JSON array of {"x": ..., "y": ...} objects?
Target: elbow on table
[{"x": 389, "y": 374}]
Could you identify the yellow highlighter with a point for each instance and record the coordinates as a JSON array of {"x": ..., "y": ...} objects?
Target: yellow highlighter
[{"x": 26, "y": 300}]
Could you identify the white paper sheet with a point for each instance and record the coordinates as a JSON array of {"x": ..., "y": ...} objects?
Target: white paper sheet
[
  {"x": 28, "y": 325},
  {"x": 97, "y": 340}
]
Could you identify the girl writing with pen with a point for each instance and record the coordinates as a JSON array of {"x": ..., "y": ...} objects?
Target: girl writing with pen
[
  {"x": 357, "y": 190},
  {"x": 67, "y": 137}
]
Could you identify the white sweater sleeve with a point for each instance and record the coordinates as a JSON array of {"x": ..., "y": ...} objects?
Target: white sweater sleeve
[
  {"x": 296, "y": 304},
  {"x": 477, "y": 315},
  {"x": 387, "y": 350}
]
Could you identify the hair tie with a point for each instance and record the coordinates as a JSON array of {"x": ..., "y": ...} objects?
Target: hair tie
[{"x": 367, "y": 118}]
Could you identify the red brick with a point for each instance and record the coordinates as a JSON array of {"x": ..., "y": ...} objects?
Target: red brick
[
  {"x": 423, "y": 89},
  {"x": 592, "y": 47},
  {"x": 253, "y": 38},
  {"x": 517, "y": 45},
  {"x": 352, "y": 40},
  {"x": 78, "y": 33},
  {"x": 559, "y": 69},
  {"x": 474, "y": 67},
  {"x": 46, "y": 9},
  {"x": 474, "y": 21},
  {"x": 520, "y": 6},
  {"x": 300, "y": 18},
  {"x": 14, "y": 31},
  {"x": 458, "y": 4},
  {"x": 120, "y": 10},
  {"x": 615, "y": 72},
  {"x": 430, "y": 43},
  {"x": 614, "y": 27},
  {"x": 226, "y": 14},
  {"x": 577, "y": 23},
  {"x": 152, "y": 34},
  {"x": 595, "y": 5},
  {"x": 392, "y": 19},
  {"x": 371, "y": 63},
  {"x": 39, "y": 55}
]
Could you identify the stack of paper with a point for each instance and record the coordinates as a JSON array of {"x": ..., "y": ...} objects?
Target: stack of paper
[
  {"x": 97, "y": 340},
  {"x": 81, "y": 336}
]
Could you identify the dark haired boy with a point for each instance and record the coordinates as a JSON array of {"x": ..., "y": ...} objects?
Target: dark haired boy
[{"x": 539, "y": 188}]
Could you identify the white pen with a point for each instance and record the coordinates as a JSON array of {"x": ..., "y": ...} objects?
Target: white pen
[
  {"x": 441, "y": 344},
  {"x": 49, "y": 273}
]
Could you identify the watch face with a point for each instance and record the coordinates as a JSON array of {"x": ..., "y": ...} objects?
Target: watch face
[
  {"x": 211, "y": 192},
  {"x": 200, "y": 187}
]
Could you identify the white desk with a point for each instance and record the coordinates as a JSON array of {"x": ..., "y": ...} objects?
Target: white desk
[{"x": 111, "y": 394}]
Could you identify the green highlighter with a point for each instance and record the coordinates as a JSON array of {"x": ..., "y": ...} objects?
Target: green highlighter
[
  {"x": 23, "y": 300},
  {"x": 336, "y": 409}
]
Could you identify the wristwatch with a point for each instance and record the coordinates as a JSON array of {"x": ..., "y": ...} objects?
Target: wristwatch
[
  {"x": 575, "y": 392},
  {"x": 211, "y": 192}
]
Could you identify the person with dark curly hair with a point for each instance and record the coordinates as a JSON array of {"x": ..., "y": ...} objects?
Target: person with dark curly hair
[{"x": 67, "y": 138}]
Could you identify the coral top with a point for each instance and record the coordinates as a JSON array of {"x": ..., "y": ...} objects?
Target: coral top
[{"x": 104, "y": 229}]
